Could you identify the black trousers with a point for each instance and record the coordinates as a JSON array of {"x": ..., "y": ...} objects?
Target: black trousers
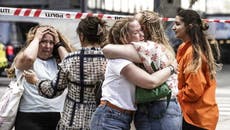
[
  {"x": 187, "y": 126},
  {"x": 37, "y": 121}
]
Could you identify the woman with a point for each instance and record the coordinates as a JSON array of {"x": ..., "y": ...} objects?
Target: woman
[
  {"x": 44, "y": 48},
  {"x": 80, "y": 72},
  {"x": 157, "y": 50},
  {"x": 197, "y": 70},
  {"x": 121, "y": 76}
]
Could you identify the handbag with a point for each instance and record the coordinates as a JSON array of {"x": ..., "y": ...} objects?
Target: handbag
[
  {"x": 9, "y": 103},
  {"x": 98, "y": 92},
  {"x": 149, "y": 95}
]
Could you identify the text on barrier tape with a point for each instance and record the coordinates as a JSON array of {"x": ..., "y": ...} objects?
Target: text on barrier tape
[{"x": 26, "y": 12}]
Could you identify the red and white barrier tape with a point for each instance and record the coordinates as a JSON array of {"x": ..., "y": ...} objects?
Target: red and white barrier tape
[
  {"x": 26, "y": 12},
  {"x": 52, "y": 13},
  {"x": 217, "y": 20}
]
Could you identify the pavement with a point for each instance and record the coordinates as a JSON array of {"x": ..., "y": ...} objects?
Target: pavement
[
  {"x": 223, "y": 100},
  {"x": 223, "y": 97}
]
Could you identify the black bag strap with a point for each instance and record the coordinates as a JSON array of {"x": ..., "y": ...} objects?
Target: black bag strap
[
  {"x": 168, "y": 99},
  {"x": 82, "y": 55},
  {"x": 98, "y": 92},
  {"x": 82, "y": 76}
]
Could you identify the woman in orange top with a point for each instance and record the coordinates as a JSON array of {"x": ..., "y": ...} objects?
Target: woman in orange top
[{"x": 197, "y": 69}]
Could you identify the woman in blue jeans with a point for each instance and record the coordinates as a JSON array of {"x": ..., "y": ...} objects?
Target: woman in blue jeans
[
  {"x": 155, "y": 115},
  {"x": 117, "y": 106}
]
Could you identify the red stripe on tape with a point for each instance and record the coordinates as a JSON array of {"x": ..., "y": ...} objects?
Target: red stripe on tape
[
  {"x": 27, "y": 12},
  {"x": 17, "y": 11},
  {"x": 37, "y": 13},
  {"x": 227, "y": 21},
  {"x": 78, "y": 15},
  {"x": 165, "y": 19},
  {"x": 216, "y": 20}
]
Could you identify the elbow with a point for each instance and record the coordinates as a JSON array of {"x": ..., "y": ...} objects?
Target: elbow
[
  {"x": 26, "y": 63},
  {"x": 28, "y": 59},
  {"x": 106, "y": 51}
]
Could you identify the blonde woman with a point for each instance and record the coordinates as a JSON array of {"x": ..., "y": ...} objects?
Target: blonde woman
[
  {"x": 44, "y": 49},
  {"x": 80, "y": 72},
  {"x": 155, "y": 49}
]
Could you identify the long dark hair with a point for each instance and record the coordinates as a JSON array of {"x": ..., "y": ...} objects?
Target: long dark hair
[{"x": 196, "y": 28}]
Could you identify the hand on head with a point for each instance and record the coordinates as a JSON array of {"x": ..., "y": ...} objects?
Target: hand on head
[
  {"x": 45, "y": 29},
  {"x": 54, "y": 32},
  {"x": 40, "y": 32}
]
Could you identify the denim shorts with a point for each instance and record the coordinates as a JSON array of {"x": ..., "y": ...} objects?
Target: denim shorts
[
  {"x": 106, "y": 118},
  {"x": 155, "y": 116}
]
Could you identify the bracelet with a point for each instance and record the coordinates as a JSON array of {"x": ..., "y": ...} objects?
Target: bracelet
[
  {"x": 172, "y": 70},
  {"x": 57, "y": 45}
]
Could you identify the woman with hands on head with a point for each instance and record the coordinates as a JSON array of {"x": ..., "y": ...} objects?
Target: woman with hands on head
[
  {"x": 45, "y": 47},
  {"x": 80, "y": 72}
]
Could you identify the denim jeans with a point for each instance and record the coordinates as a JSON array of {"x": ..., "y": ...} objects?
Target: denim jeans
[
  {"x": 106, "y": 118},
  {"x": 155, "y": 116}
]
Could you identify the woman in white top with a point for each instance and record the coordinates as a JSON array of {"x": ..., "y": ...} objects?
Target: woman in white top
[
  {"x": 121, "y": 77},
  {"x": 44, "y": 48}
]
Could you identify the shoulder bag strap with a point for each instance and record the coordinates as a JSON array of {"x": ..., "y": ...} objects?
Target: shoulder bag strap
[{"x": 82, "y": 76}]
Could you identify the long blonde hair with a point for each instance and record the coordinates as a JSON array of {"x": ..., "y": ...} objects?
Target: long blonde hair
[{"x": 153, "y": 29}]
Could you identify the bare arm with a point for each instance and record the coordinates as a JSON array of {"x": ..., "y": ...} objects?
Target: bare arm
[
  {"x": 142, "y": 79},
  {"x": 121, "y": 51},
  {"x": 26, "y": 58}
]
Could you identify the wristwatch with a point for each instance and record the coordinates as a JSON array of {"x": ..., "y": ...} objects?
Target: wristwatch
[{"x": 171, "y": 69}]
